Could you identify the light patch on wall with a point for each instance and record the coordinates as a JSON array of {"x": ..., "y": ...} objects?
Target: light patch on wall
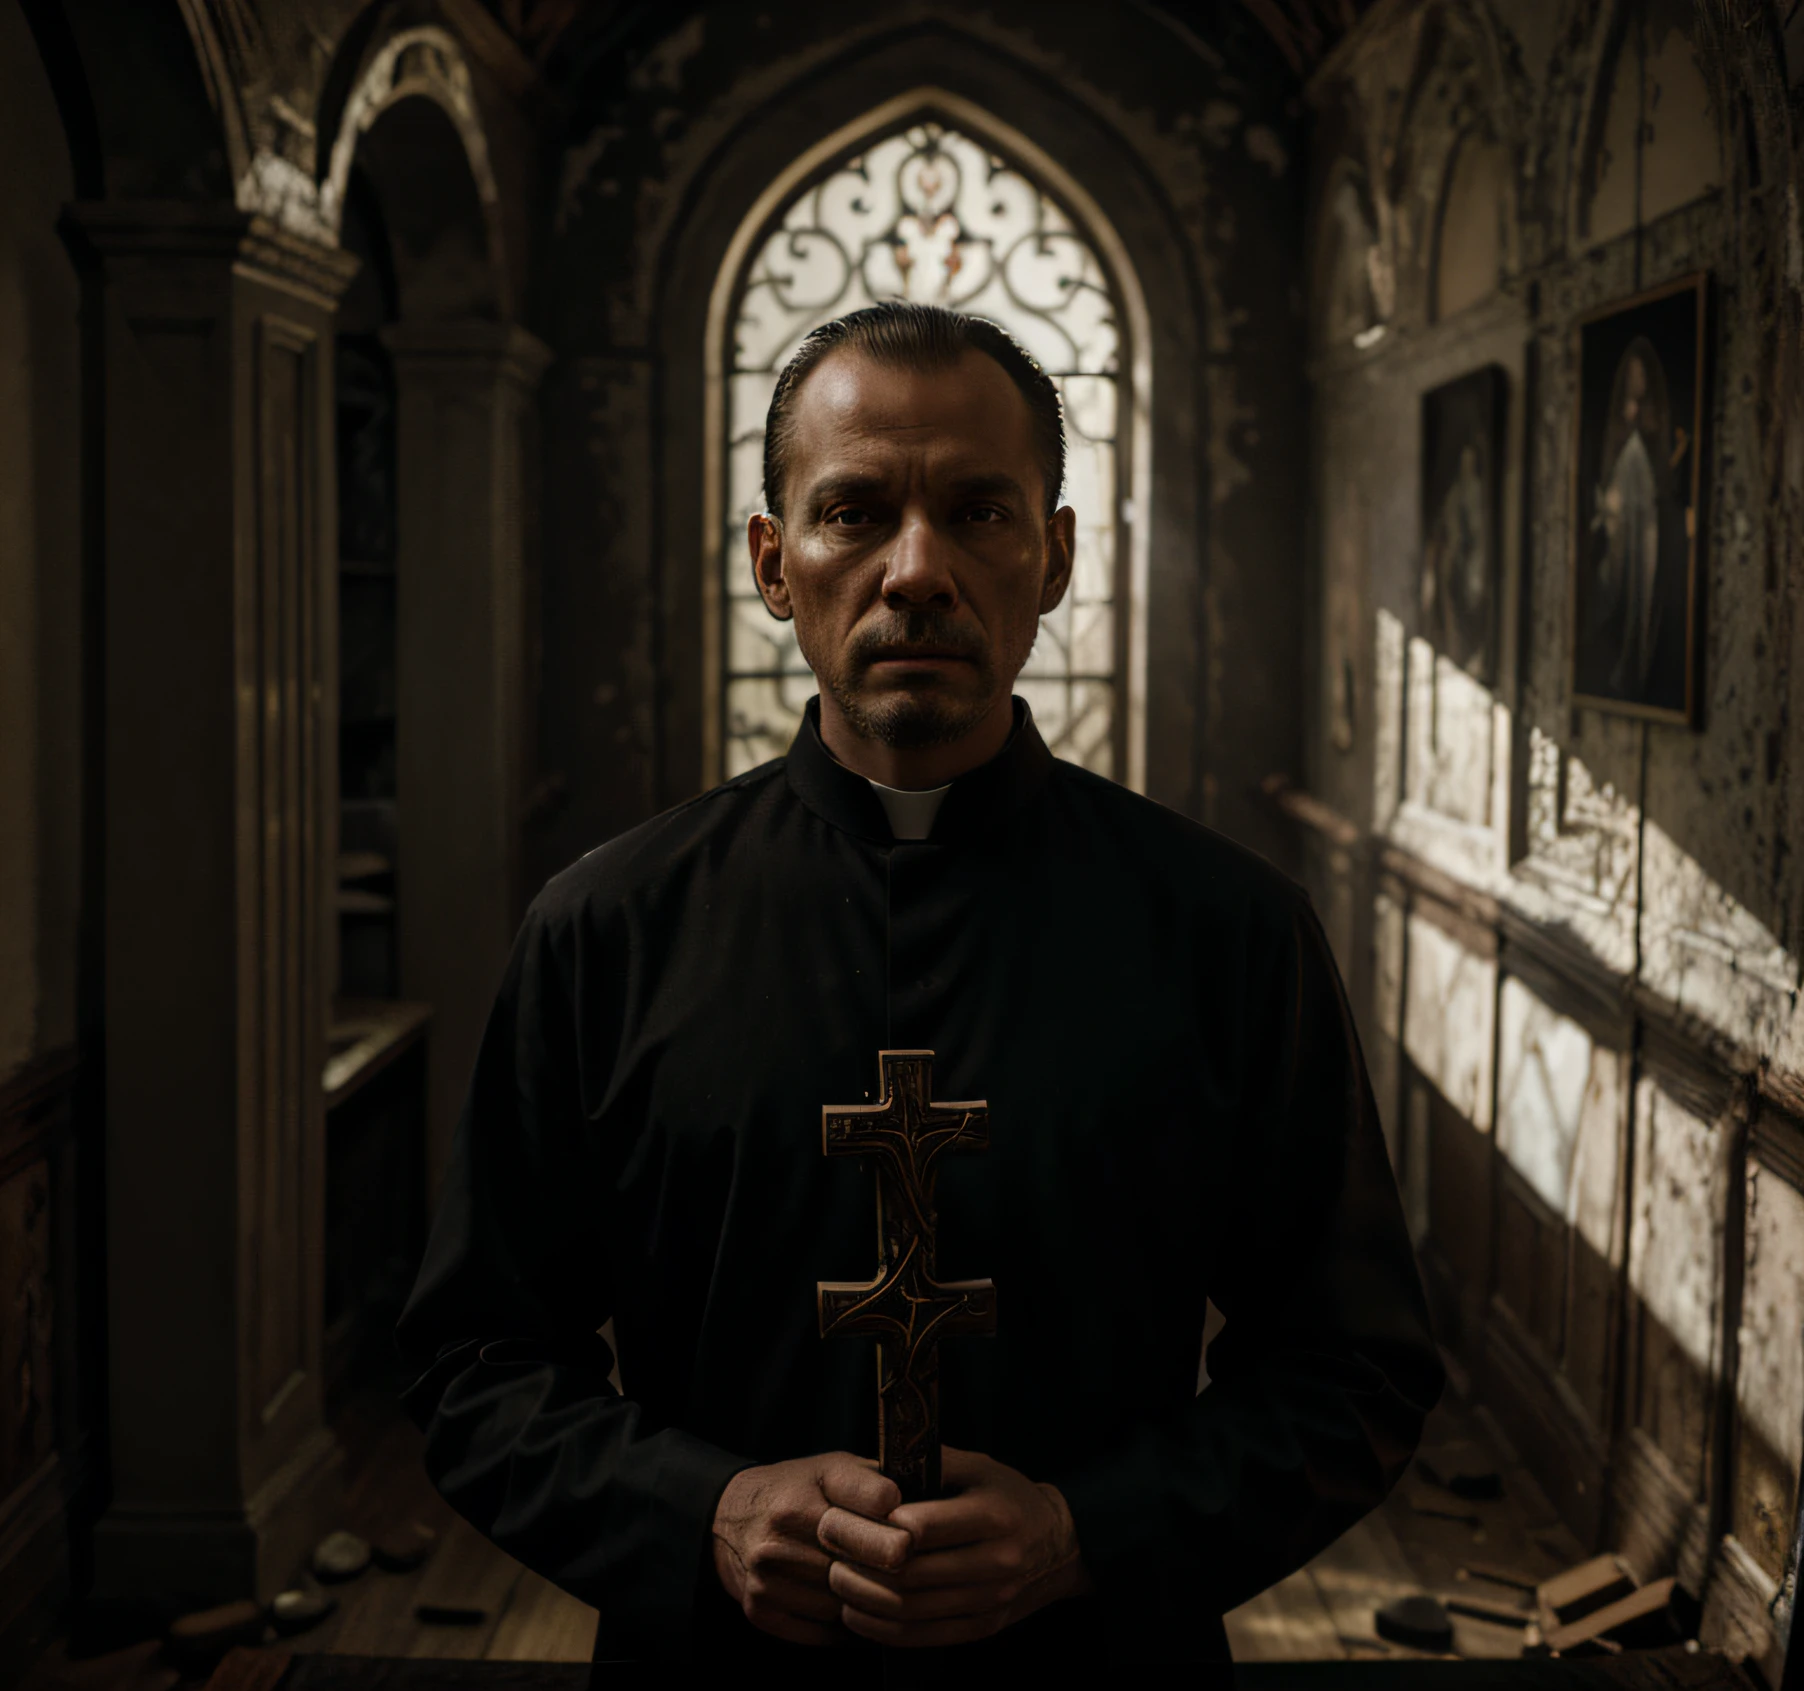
[
  {"x": 1594, "y": 1203},
  {"x": 1448, "y": 1018},
  {"x": 1389, "y": 649},
  {"x": 1704, "y": 949},
  {"x": 1675, "y": 1241},
  {"x": 1583, "y": 840},
  {"x": 1449, "y": 767},
  {"x": 1770, "y": 1383},
  {"x": 1469, "y": 249},
  {"x": 1559, "y": 1114},
  {"x": 1544, "y": 1068},
  {"x": 1543, "y": 790}
]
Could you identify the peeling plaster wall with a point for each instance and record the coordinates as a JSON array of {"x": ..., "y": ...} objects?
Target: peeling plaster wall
[{"x": 1615, "y": 897}]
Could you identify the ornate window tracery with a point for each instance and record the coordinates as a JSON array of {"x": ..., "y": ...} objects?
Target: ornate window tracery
[{"x": 926, "y": 213}]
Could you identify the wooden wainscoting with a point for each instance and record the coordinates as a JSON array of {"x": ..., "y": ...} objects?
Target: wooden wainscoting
[{"x": 34, "y": 1121}]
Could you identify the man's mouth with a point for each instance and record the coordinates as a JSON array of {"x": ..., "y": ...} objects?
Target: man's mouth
[{"x": 918, "y": 655}]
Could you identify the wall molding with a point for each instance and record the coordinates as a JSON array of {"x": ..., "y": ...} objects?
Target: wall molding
[
  {"x": 1737, "y": 1619},
  {"x": 1698, "y": 1060},
  {"x": 1567, "y": 1453},
  {"x": 1659, "y": 1527},
  {"x": 1776, "y": 1142}
]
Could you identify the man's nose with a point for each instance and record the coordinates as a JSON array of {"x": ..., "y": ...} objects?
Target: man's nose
[{"x": 918, "y": 570}]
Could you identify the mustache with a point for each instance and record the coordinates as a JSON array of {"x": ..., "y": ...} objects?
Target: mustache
[{"x": 916, "y": 631}]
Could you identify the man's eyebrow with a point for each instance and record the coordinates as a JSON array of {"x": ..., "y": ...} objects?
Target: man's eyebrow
[
  {"x": 852, "y": 485},
  {"x": 989, "y": 484}
]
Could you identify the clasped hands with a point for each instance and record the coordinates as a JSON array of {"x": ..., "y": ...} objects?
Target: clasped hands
[{"x": 821, "y": 1547}]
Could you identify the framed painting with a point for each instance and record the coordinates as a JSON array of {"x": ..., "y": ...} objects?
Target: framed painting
[
  {"x": 1637, "y": 495},
  {"x": 1462, "y": 429}
]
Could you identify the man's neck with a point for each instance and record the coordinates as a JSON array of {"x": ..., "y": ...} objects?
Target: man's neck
[{"x": 915, "y": 769}]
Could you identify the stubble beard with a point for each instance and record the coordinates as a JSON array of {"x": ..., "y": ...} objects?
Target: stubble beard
[
  {"x": 912, "y": 722},
  {"x": 907, "y": 720}
]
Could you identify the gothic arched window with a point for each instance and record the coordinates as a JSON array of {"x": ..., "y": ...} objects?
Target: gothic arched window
[{"x": 926, "y": 212}]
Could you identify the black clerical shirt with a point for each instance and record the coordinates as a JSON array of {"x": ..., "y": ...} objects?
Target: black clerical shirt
[{"x": 1178, "y": 1112}]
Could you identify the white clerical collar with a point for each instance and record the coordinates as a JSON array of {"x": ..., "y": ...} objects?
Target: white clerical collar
[{"x": 910, "y": 814}]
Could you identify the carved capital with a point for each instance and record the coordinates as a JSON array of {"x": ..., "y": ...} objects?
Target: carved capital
[{"x": 112, "y": 233}]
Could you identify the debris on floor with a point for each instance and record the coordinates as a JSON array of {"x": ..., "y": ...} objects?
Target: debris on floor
[
  {"x": 196, "y": 1643},
  {"x": 299, "y": 1610},
  {"x": 403, "y": 1549},
  {"x": 341, "y": 1556},
  {"x": 1419, "y": 1621}
]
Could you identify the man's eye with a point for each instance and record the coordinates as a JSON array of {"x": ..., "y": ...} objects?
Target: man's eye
[
  {"x": 986, "y": 514},
  {"x": 851, "y": 516}
]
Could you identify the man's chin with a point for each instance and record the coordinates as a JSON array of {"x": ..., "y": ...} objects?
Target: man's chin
[{"x": 911, "y": 717}]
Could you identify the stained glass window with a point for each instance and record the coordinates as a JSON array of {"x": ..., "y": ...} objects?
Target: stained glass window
[{"x": 930, "y": 215}]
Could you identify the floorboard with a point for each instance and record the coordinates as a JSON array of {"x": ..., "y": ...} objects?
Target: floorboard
[
  {"x": 1288, "y": 1623},
  {"x": 543, "y": 1624}
]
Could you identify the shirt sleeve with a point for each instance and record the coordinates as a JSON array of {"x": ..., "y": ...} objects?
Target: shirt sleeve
[
  {"x": 1327, "y": 1367},
  {"x": 525, "y": 1435}
]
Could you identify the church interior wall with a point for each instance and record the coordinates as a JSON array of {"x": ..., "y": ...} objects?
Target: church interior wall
[
  {"x": 41, "y": 706},
  {"x": 1572, "y": 931}
]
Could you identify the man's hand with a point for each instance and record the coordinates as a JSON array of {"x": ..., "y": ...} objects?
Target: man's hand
[
  {"x": 767, "y": 1540},
  {"x": 990, "y": 1554}
]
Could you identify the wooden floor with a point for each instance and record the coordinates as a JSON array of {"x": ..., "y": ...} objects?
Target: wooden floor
[
  {"x": 1323, "y": 1612},
  {"x": 524, "y": 1617}
]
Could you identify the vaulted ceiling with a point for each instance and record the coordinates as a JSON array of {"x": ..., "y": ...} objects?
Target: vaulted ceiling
[{"x": 1303, "y": 31}]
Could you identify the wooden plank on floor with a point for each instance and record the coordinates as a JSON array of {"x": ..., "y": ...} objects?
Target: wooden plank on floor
[
  {"x": 544, "y": 1624},
  {"x": 1288, "y": 1623},
  {"x": 467, "y": 1571},
  {"x": 375, "y": 1617},
  {"x": 1356, "y": 1575}
]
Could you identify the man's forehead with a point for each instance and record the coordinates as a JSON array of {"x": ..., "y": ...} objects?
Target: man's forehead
[
  {"x": 849, "y": 389},
  {"x": 856, "y": 416}
]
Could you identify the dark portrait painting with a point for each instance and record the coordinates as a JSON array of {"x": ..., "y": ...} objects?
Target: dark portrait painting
[
  {"x": 1638, "y": 490},
  {"x": 1461, "y": 428}
]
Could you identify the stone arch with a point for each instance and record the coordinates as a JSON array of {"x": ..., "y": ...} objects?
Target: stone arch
[
  {"x": 1650, "y": 131},
  {"x": 437, "y": 824},
  {"x": 956, "y": 111},
  {"x": 1461, "y": 112},
  {"x": 399, "y": 77},
  {"x": 1095, "y": 162},
  {"x": 1470, "y": 244}
]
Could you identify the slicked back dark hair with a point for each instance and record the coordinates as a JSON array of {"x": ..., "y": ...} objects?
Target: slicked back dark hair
[{"x": 915, "y": 337}]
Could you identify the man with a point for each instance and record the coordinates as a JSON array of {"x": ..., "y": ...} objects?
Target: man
[{"x": 1178, "y": 1112}]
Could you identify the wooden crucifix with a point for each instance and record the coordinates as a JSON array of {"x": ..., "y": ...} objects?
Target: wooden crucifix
[{"x": 907, "y": 1309}]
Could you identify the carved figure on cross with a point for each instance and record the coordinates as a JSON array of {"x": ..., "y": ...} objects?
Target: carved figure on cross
[{"x": 906, "y": 1306}]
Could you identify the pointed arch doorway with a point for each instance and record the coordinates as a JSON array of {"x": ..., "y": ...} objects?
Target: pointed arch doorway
[{"x": 929, "y": 197}]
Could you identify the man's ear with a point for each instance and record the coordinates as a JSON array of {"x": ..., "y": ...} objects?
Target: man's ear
[
  {"x": 1061, "y": 550},
  {"x": 764, "y": 537}
]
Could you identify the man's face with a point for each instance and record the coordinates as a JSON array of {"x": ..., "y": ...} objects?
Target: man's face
[{"x": 915, "y": 556}]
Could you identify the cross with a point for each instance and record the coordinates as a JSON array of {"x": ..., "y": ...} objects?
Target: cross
[{"x": 907, "y": 1309}]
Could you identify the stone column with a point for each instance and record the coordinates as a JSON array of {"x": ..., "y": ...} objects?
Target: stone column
[
  {"x": 220, "y": 608},
  {"x": 465, "y": 394}
]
